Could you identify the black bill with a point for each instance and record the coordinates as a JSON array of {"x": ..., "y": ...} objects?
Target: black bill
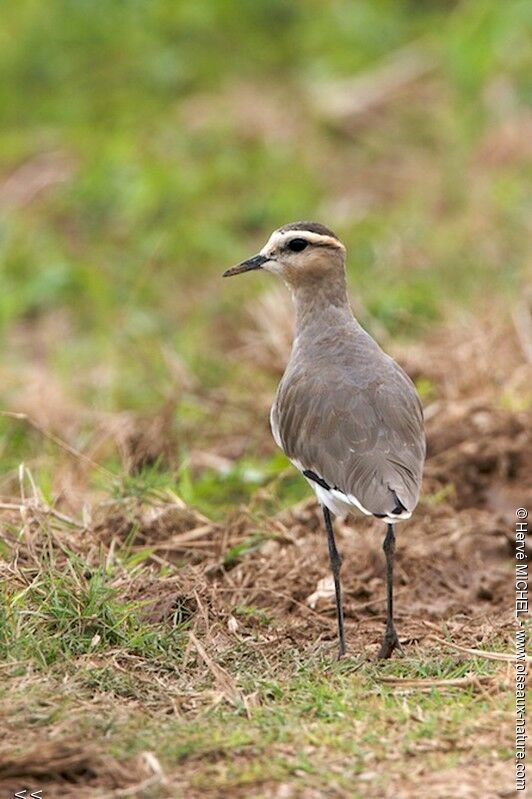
[{"x": 246, "y": 266}]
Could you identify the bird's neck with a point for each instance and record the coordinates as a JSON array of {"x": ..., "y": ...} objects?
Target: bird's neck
[{"x": 321, "y": 303}]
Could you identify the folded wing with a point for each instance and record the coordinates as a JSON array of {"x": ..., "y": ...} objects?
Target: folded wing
[{"x": 360, "y": 430}]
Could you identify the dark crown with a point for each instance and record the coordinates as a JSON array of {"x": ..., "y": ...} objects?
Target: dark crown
[{"x": 313, "y": 227}]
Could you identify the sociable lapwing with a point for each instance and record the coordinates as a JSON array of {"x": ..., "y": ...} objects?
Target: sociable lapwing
[{"x": 345, "y": 414}]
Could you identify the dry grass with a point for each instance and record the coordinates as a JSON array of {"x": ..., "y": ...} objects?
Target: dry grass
[{"x": 240, "y": 597}]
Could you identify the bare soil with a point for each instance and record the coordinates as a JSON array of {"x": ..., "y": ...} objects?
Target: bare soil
[{"x": 455, "y": 560}]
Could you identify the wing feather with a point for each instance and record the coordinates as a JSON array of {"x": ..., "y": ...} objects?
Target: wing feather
[{"x": 359, "y": 428}]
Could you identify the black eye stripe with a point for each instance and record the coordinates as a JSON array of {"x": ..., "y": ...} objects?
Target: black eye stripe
[{"x": 296, "y": 245}]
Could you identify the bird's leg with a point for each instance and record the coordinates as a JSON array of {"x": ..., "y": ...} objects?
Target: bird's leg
[
  {"x": 336, "y": 563},
  {"x": 391, "y": 641}
]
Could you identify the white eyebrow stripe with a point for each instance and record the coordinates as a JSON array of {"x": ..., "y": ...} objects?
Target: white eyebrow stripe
[{"x": 279, "y": 236}]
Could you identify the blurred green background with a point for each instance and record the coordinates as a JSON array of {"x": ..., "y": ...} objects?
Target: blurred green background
[{"x": 146, "y": 145}]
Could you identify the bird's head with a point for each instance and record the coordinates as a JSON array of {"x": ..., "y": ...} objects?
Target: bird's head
[{"x": 300, "y": 253}]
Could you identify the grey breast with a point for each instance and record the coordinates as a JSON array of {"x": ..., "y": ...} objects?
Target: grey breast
[{"x": 346, "y": 411}]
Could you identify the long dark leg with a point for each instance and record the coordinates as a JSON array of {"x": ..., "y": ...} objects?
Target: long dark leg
[
  {"x": 336, "y": 562},
  {"x": 391, "y": 641}
]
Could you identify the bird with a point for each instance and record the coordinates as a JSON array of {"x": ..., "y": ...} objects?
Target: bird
[{"x": 345, "y": 413}]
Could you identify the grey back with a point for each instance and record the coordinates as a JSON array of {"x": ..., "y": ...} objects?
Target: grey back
[{"x": 346, "y": 411}]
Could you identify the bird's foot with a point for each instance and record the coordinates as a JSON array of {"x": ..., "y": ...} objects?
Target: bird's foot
[
  {"x": 390, "y": 642},
  {"x": 341, "y": 653}
]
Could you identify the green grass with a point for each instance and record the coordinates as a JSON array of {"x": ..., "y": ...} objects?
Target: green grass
[
  {"x": 69, "y": 609},
  {"x": 319, "y": 725}
]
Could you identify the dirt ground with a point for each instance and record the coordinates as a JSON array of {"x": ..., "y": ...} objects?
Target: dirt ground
[{"x": 454, "y": 572}]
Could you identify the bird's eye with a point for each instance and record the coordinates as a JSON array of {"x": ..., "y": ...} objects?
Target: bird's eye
[{"x": 296, "y": 245}]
